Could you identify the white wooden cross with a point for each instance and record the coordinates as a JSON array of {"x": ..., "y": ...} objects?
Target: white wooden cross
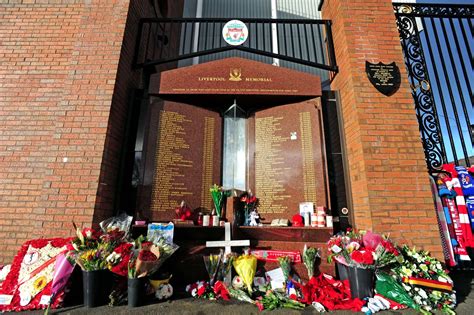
[{"x": 227, "y": 242}]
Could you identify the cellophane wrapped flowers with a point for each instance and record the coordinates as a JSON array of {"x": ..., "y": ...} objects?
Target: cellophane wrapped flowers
[{"x": 363, "y": 250}]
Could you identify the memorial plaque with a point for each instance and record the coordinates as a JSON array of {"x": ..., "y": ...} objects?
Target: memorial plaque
[
  {"x": 384, "y": 77},
  {"x": 187, "y": 160},
  {"x": 288, "y": 165},
  {"x": 237, "y": 76}
]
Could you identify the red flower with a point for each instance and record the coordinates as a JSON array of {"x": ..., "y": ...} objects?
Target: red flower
[
  {"x": 123, "y": 249},
  {"x": 146, "y": 255},
  {"x": 221, "y": 291},
  {"x": 146, "y": 245},
  {"x": 362, "y": 257},
  {"x": 201, "y": 290},
  {"x": 69, "y": 247},
  {"x": 260, "y": 306},
  {"x": 90, "y": 233},
  {"x": 388, "y": 246}
]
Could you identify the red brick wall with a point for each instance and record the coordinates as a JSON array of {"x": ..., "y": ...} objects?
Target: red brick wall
[
  {"x": 63, "y": 95},
  {"x": 389, "y": 181}
]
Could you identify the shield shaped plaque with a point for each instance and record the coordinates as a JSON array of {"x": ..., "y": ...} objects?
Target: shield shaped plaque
[{"x": 384, "y": 77}]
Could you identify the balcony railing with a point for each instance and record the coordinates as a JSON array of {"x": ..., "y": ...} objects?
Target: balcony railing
[{"x": 306, "y": 42}]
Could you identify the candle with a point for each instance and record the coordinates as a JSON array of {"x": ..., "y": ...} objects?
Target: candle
[
  {"x": 215, "y": 220},
  {"x": 307, "y": 219},
  {"x": 329, "y": 221},
  {"x": 205, "y": 220}
]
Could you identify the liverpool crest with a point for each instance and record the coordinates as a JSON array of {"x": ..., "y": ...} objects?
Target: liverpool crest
[
  {"x": 235, "y": 32},
  {"x": 235, "y": 74},
  {"x": 384, "y": 77}
]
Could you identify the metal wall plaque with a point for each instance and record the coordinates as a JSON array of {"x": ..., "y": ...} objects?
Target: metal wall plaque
[{"x": 384, "y": 77}]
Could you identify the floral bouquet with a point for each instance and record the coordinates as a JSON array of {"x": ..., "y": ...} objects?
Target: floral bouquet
[
  {"x": 246, "y": 265},
  {"x": 425, "y": 280},
  {"x": 274, "y": 299},
  {"x": 285, "y": 265},
  {"x": 212, "y": 263},
  {"x": 225, "y": 267},
  {"x": 119, "y": 259},
  {"x": 218, "y": 194},
  {"x": 90, "y": 248},
  {"x": 202, "y": 289},
  {"x": 144, "y": 260},
  {"x": 140, "y": 258},
  {"x": 365, "y": 250},
  {"x": 309, "y": 259}
]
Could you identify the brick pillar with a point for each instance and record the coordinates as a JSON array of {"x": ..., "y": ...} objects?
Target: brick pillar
[{"x": 387, "y": 170}]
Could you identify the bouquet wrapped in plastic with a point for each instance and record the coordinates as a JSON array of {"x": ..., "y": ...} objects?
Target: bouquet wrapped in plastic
[
  {"x": 212, "y": 263},
  {"x": 246, "y": 265},
  {"x": 391, "y": 289}
]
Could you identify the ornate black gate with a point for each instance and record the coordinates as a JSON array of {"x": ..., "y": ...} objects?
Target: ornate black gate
[{"x": 437, "y": 41}]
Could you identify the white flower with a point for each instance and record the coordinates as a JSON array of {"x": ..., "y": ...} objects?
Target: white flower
[
  {"x": 438, "y": 266},
  {"x": 113, "y": 258},
  {"x": 417, "y": 299},
  {"x": 442, "y": 279},
  {"x": 423, "y": 294},
  {"x": 352, "y": 246},
  {"x": 194, "y": 292},
  {"x": 88, "y": 233},
  {"x": 424, "y": 267},
  {"x": 406, "y": 272},
  {"x": 336, "y": 249},
  {"x": 406, "y": 287},
  {"x": 435, "y": 294}
]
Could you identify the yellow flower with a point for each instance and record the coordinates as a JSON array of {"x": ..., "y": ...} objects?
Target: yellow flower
[
  {"x": 88, "y": 255},
  {"x": 40, "y": 283}
]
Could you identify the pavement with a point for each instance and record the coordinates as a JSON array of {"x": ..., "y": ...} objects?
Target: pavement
[
  {"x": 188, "y": 306},
  {"x": 183, "y": 305}
]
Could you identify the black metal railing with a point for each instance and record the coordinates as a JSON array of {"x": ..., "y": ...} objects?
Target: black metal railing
[
  {"x": 306, "y": 42},
  {"x": 437, "y": 44}
]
